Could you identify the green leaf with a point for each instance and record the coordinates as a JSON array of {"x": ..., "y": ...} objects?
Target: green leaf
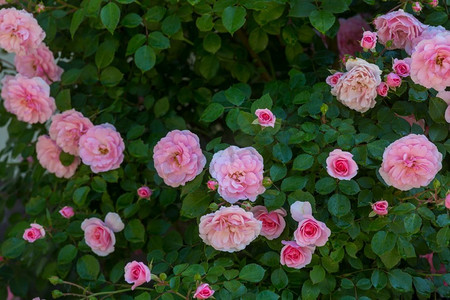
[
  {"x": 267, "y": 295},
  {"x": 317, "y": 274},
  {"x": 212, "y": 42},
  {"x": 401, "y": 281},
  {"x": 35, "y": 205},
  {"x": 67, "y": 254},
  {"x": 195, "y": 204},
  {"x": 334, "y": 6},
  {"x": 301, "y": 8},
  {"x": 111, "y": 76},
  {"x": 135, "y": 43},
  {"x": 98, "y": 184},
  {"x": 105, "y": 54},
  {"x": 383, "y": 242},
  {"x": 233, "y": 18},
  {"x": 436, "y": 18},
  {"x": 258, "y": 39},
  {"x": 13, "y": 247},
  {"x": 70, "y": 77},
  {"x": 310, "y": 291},
  {"x": 77, "y": 18},
  {"x": 423, "y": 286},
  {"x": 235, "y": 96},
  {"x": 252, "y": 273},
  {"x": 63, "y": 100},
  {"x": 80, "y": 195},
  {"x": 66, "y": 159},
  {"x": 93, "y": 7},
  {"x": 135, "y": 132},
  {"x": 161, "y": 107},
  {"x": 171, "y": 25},
  {"x": 278, "y": 172},
  {"x": 209, "y": 65},
  {"x": 325, "y": 185},
  {"x": 143, "y": 296},
  {"x": 436, "y": 109},
  {"x": 303, "y": 162},
  {"x": 131, "y": 20},
  {"x": 282, "y": 152},
  {"x": 349, "y": 187},
  {"x": 412, "y": 223},
  {"x": 265, "y": 102},
  {"x": 339, "y": 205},
  {"x": 158, "y": 41},
  {"x": 379, "y": 279},
  {"x": 138, "y": 149},
  {"x": 205, "y": 23},
  {"x": 134, "y": 231},
  {"x": 88, "y": 267},
  {"x": 145, "y": 58},
  {"x": 293, "y": 183},
  {"x": 322, "y": 20},
  {"x": 212, "y": 112},
  {"x": 403, "y": 209},
  {"x": 110, "y": 16}
]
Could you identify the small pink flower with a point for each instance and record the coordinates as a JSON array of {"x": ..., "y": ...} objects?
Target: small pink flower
[
  {"x": 144, "y": 192},
  {"x": 393, "y": 80},
  {"x": 434, "y": 3},
  {"x": 265, "y": 117},
  {"x": 212, "y": 185},
  {"x": 273, "y": 222},
  {"x": 40, "y": 8},
  {"x": 311, "y": 232},
  {"x": 34, "y": 233},
  {"x": 380, "y": 207},
  {"x": 137, "y": 273},
  {"x": 417, "y": 7},
  {"x": 350, "y": 33},
  {"x": 447, "y": 201},
  {"x": 332, "y": 80},
  {"x": 369, "y": 40},
  {"x": 402, "y": 67},
  {"x": 203, "y": 291},
  {"x": 383, "y": 89},
  {"x": 67, "y": 212},
  {"x": 295, "y": 256},
  {"x": 299, "y": 210},
  {"x": 99, "y": 235},
  {"x": 340, "y": 165}
]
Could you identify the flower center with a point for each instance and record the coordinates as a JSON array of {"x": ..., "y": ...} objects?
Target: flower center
[
  {"x": 103, "y": 150},
  {"x": 409, "y": 161},
  {"x": 439, "y": 60},
  {"x": 237, "y": 176}
]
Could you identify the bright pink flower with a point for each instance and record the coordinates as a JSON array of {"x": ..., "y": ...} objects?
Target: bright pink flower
[
  {"x": 410, "y": 162},
  {"x": 48, "y": 156},
  {"x": 67, "y": 128},
  {"x": 265, "y": 117},
  {"x": 137, "y": 273},
  {"x": 144, "y": 192},
  {"x": 332, "y": 80},
  {"x": 99, "y": 235},
  {"x": 295, "y": 256},
  {"x": 67, "y": 212},
  {"x": 380, "y": 207},
  {"x": 34, "y": 233},
  {"x": 229, "y": 229},
  {"x": 28, "y": 98},
  {"x": 178, "y": 157},
  {"x": 311, "y": 232},
  {"x": 19, "y": 31},
  {"x": 101, "y": 147},
  {"x": 272, "y": 222},
  {"x": 393, "y": 80},
  {"x": 417, "y": 7},
  {"x": 369, "y": 40},
  {"x": 340, "y": 165},
  {"x": 447, "y": 201},
  {"x": 299, "y": 210},
  {"x": 350, "y": 33},
  {"x": 383, "y": 89},
  {"x": 239, "y": 172},
  {"x": 212, "y": 185},
  {"x": 402, "y": 67},
  {"x": 39, "y": 63},
  {"x": 203, "y": 291}
]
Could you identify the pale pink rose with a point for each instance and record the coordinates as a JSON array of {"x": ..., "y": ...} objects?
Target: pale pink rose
[
  {"x": 357, "y": 89},
  {"x": 340, "y": 165},
  {"x": 67, "y": 128},
  {"x": 369, "y": 40},
  {"x": 34, "y": 233},
  {"x": 99, "y": 236},
  {"x": 212, "y": 185},
  {"x": 178, "y": 157},
  {"x": 295, "y": 256},
  {"x": 380, "y": 207},
  {"x": 28, "y": 98},
  {"x": 417, "y": 7},
  {"x": 447, "y": 201},
  {"x": 101, "y": 147},
  {"x": 410, "y": 162},
  {"x": 333, "y": 79},
  {"x": 411, "y": 119},
  {"x": 430, "y": 62},
  {"x": 67, "y": 212},
  {"x": 350, "y": 33},
  {"x": 239, "y": 172},
  {"x": 383, "y": 89},
  {"x": 311, "y": 232},
  {"x": 137, "y": 273},
  {"x": 229, "y": 229},
  {"x": 402, "y": 66},
  {"x": 265, "y": 117},
  {"x": 428, "y": 33},
  {"x": 19, "y": 31},
  {"x": 114, "y": 222},
  {"x": 48, "y": 156},
  {"x": 393, "y": 80},
  {"x": 300, "y": 209},
  {"x": 203, "y": 291},
  {"x": 272, "y": 222},
  {"x": 444, "y": 95},
  {"x": 400, "y": 28},
  {"x": 144, "y": 192}
]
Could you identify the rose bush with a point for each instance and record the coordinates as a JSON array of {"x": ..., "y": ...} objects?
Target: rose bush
[{"x": 251, "y": 149}]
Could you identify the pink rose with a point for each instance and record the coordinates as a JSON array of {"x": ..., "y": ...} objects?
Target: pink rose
[
  {"x": 393, "y": 80},
  {"x": 178, "y": 157},
  {"x": 430, "y": 62},
  {"x": 400, "y": 28},
  {"x": 350, "y": 33},
  {"x": 410, "y": 162},
  {"x": 34, "y": 233},
  {"x": 101, "y": 147},
  {"x": 212, "y": 185},
  {"x": 428, "y": 33},
  {"x": 137, "y": 273},
  {"x": 144, "y": 192},
  {"x": 445, "y": 95},
  {"x": 295, "y": 256},
  {"x": 357, "y": 89},
  {"x": 369, "y": 40},
  {"x": 417, "y": 7},
  {"x": 203, "y": 291},
  {"x": 239, "y": 172},
  {"x": 402, "y": 66},
  {"x": 39, "y": 63},
  {"x": 265, "y": 117},
  {"x": 447, "y": 114},
  {"x": 229, "y": 229},
  {"x": 67, "y": 212},
  {"x": 380, "y": 207},
  {"x": 311, "y": 232},
  {"x": 272, "y": 222},
  {"x": 19, "y": 31},
  {"x": 333, "y": 79},
  {"x": 99, "y": 235},
  {"x": 340, "y": 165},
  {"x": 299, "y": 210},
  {"x": 447, "y": 201},
  {"x": 28, "y": 98},
  {"x": 48, "y": 156},
  {"x": 433, "y": 3},
  {"x": 67, "y": 128},
  {"x": 383, "y": 89}
]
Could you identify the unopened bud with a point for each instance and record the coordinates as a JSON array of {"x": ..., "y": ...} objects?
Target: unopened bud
[
  {"x": 267, "y": 182},
  {"x": 213, "y": 206},
  {"x": 436, "y": 184},
  {"x": 324, "y": 109},
  {"x": 40, "y": 7},
  {"x": 55, "y": 280},
  {"x": 197, "y": 277},
  {"x": 247, "y": 205},
  {"x": 57, "y": 294},
  {"x": 212, "y": 185},
  {"x": 163, "y": 276}
]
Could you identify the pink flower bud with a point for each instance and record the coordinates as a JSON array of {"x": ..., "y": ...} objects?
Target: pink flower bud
[
  {"x": 40, "y": 7},
  {"x": 382, "y": 89},
  {"x": 369, "y": 40},
  {"x": 212, "y": 185},
  {"x": 265, "y": 117},
  {"x": 402, "y": 67},
  {"x": 380, "y": 207},
  {"x": 447, "y": 201},
  {"x": 393, "y": 80},
  {"x": 333, "y": 79},
  {"x": 67, "y": 212},
  {"x": 434, "y": 3},
  {"x": 203, "y": 291},
  {"x": 144, "y": 192},
  {"x": 34, "y": 233},
  {"x": 417, "y": 7}
]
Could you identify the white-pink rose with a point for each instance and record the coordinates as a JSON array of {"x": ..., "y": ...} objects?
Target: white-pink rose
[
  {"x": 273, "y": 222},
  {"x": 67, "y": 212},
  {"x": 295, "y": 256},
  {"x": 393, "y": 80},
  {"x": 203, "y": 291},
  {"x": 380, "y": 207},
  {"x": 137, "y": 273},
  {"x": 340, "y": 165},
  {"x": 99, "y": 235},
  {"x": 332, "y": 80},
  {"x": 300, "y": 209},
  {"x": 34, "y": 233},
  {"x": 311, "y": 232},
  {"x": 265, "y": 117},
  {"x": 369, "y": 40}
]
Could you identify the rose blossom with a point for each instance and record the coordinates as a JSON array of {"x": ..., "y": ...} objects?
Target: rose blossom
[
  {"x": 357, "y": 89},
  {"x": 445, "y": 95},
  {"x": 383, "y": 89},
  {"x": 410, "y": 162},
  {"x": 203, "y": 291},
  {"x": 402, "y": 66},
  {"x": 28, "y": 98},
  {"x": 350, "y": 33},
  {"x": 229, "y": 229},
  {"x": 101, "y": 147},
  {"x": 19, "y": 31},
  {"x": 48, "y": 156},
  {"x": 137, "y": 273},
  {"x": 265, "y": 117},
  {"x": 447, "y": 114},
  {"x": 417, "y": 7},
  {"x": 340, "y": 165},
  {"x": 300, "y": 209},
  {"x": 311, "y": 232},
  {"x": 67, "y": 128},
  {"x": 369, "y": 40},
  {"x": 333, "y": 79},
  {"x": 447, "y": 201},
  {"x": 295, "y": 256},
  {"x": 380, "y": 207},
  {"x": 67, "y": 212},
  {"x": 178, "y": 157},
  {"x": 393, "y": 80},
  {"x": 212, "y": 185},
  {"x": 239, "y": 172},
  {"x": 144, "y": 192},
  {"x": 34, "y": 233},
  {"x": 272, "y": 222},
  {"x": 428, "y": 33}
]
